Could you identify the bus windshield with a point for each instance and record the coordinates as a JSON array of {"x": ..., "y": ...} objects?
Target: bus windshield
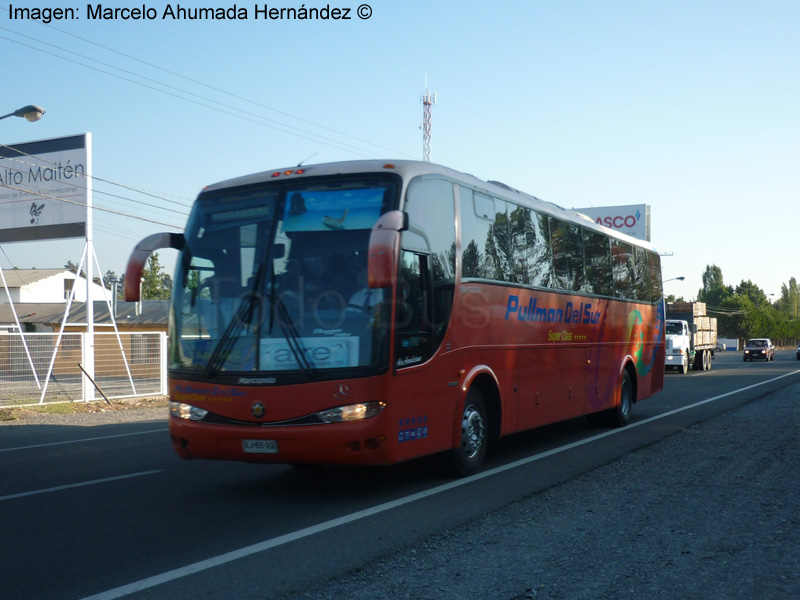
[{"x": 273, "y": 279}]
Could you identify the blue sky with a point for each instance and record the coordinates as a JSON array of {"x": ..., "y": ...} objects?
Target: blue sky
[{"x": 690, "y": 107}]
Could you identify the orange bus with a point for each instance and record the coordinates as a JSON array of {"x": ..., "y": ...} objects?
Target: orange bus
[{"x": 370, "y": 312}]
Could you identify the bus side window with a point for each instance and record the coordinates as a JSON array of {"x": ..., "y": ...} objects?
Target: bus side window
[
  {"x": 415, "y": 332},
  {"x": 598, "y": 263},
  {"x": 622, "y": 267},
  {"x": 642, "y": 275},
  {"x": 567, "y": 249},
  {"x": 654, "y": 266}
]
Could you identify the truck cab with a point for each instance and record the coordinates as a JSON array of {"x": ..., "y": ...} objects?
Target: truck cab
[{"x": 680, "y": 353}]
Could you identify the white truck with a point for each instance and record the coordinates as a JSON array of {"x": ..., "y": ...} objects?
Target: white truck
[{"x": 691, "y": 337}]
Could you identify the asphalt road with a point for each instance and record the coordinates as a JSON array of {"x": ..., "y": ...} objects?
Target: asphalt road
[{"x": 109, "y": 511}]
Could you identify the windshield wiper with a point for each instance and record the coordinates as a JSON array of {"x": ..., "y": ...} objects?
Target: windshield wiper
[
  {"x": 229, "y": 337},
  {"x": 227, "y": 341},
  {"x": 288, "y": 329},
  {"x": 292, "y": 337}
]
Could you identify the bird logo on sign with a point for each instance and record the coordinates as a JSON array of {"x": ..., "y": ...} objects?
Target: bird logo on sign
[{"x": 36, "y": 212}]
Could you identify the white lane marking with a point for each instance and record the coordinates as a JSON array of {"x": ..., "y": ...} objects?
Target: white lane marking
[
  {"x": 92, "y": 439},
  {"x": 77, "y": 485},
  {"x": 216, "y": 561}
]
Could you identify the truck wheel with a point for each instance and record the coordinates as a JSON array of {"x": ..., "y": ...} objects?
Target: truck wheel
[
  {"x": 684, "y": 368},
  {"x": 707, "y": 360},
  {"x": 468, "y": 457}
]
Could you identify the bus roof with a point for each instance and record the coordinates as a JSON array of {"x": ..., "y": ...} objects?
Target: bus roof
[{"x": 408, "y": 169}]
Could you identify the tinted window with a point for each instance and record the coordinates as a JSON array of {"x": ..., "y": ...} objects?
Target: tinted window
[
  {"x": 431, "y": 208},
  {"x": 502, "y": 241},
  {"x": 540, "y": 268},
  {"x": 654, "y": 266},
  {"x": 474, "y": 230},
  {"x": 641, "y": 275},
  {"x": 622, "y": 267},
  {"x": 415, "y": 333},
  {"x": 500, "y": 245},
  {"x": 567, "y": 244},
  {"x": 598, "y": 263}
]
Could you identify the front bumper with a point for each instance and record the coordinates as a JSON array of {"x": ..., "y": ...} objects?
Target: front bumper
[{"x": 361, "y": 443}]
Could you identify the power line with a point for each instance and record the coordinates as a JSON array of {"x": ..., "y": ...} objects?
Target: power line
[
  {"x": 41, "y": 161},
  {"x": 107, "y": 210},
  {"x": 197, "y": 99},
  {"x": 221, "y": 91}
]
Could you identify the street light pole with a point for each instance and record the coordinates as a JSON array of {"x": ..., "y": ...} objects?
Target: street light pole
[{"x": 29, "y": 113}]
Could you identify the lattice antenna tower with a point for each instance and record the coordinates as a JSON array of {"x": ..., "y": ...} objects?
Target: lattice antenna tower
[{"x": 428, "y": 100}]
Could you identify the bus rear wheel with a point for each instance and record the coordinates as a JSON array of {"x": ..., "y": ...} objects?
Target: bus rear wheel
[
  {"x": 620, "y": 415},
  {"x": 467, "y": 458}
]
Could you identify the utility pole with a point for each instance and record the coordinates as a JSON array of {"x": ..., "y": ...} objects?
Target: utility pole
[{"x": 428, "y": 100}]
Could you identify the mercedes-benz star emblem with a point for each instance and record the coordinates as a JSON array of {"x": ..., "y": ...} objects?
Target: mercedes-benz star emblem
[{"x": 258, "y": 410}]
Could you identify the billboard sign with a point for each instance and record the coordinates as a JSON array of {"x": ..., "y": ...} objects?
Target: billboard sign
[
  {"x": 44, "y": 189},
  {"x": 632, "y": 219}
]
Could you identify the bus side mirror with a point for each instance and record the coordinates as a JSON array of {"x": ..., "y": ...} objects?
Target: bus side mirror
[
  {"x": 384, "y": 248},
  {"x": 139, "y": 256}
]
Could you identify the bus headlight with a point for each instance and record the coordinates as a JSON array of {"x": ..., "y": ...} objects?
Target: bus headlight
[
  {"x": 186, "y": 411},
  {"x": 351, "y": 412}
]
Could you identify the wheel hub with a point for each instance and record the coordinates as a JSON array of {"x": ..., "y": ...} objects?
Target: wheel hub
[{"x": 473, "y": 431}]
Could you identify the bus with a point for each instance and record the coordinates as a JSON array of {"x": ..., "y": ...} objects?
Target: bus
[{"x": 372, "y": 312}]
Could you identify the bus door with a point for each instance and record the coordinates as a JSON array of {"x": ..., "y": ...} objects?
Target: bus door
[{"x": 425, "y": 390}]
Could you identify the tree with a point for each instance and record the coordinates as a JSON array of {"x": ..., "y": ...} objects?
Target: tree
[
  {"x": 672, "y": 299},
  {"x": 156, "y": 285},
  {"x": 714, "y": 290},
  {"x": 108, "y": 282},
  {"x": 789, "y": 302},
  {"x": 741, "y": 318},
  {"x": 750, "y": 290},
  {"x": 74, "y": 268}
]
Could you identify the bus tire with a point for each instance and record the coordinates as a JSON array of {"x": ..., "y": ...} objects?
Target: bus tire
[
  {"x": 467, "y": 458},
  {"x": 620, "y": 415}
]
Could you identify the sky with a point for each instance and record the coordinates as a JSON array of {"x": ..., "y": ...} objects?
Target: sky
[{"x": 690, "y": 107}]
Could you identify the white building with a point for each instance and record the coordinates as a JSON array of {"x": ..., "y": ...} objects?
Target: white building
[{"x": 46, "y": 286}]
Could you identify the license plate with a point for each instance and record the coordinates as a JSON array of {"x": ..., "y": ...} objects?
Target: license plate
[{"x": 260, "y": 446}]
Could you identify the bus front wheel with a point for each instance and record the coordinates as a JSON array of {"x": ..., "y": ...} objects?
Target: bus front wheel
[{"x": 468, "y": 456}]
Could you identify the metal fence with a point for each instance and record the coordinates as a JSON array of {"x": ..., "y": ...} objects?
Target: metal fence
[{"x": 33, "y": 371}]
